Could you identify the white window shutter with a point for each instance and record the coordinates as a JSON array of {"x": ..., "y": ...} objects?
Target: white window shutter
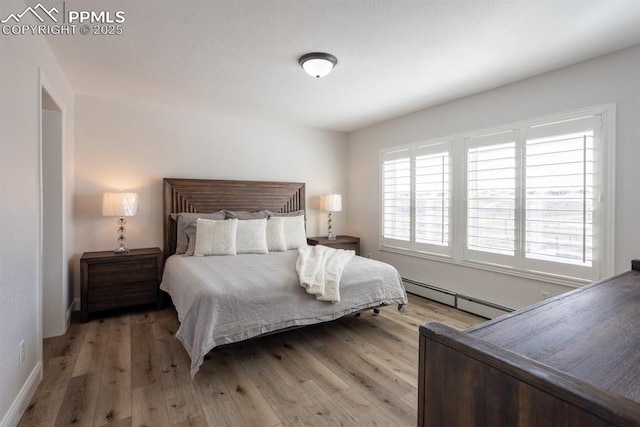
[
  {"x": 491, "y": 198},
  {"x": 561, "y": 197},
  {"x": 396, "y": 199},
  {"x": 432, "y": 175}
]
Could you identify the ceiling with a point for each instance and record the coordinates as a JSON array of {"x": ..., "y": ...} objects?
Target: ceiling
[{"x": 240, "y": 57}]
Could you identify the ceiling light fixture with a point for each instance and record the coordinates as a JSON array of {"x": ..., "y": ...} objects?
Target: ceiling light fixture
[{"x": 318, "y": 64}]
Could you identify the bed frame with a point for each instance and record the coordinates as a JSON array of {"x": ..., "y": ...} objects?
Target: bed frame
[{"x": 212, "y": 195}]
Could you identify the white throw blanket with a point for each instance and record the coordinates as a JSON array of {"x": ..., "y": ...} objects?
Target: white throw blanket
[{"x": 320, "y": 268}]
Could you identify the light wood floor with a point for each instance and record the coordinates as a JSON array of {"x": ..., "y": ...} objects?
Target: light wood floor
[{"x": 129, "y": 370}]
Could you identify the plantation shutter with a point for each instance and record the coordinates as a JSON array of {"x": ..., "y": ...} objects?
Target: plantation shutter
[
  {"x": 491, "y": 198},
  {"x": 396, "y": 199},
  {"x": 432, "y": 199},
  {"x": 561, "y": 196}
]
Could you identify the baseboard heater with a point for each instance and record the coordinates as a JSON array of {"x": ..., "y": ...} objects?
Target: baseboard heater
[
  {"x": 434, "y": 293},
  {"x": 481, "y": 307},
  {"x": 473, "y": 305}
]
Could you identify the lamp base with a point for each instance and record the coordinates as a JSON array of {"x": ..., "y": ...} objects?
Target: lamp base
[
  {"x": 330, "y": 234},
  {"x": 121, "y": 239}
]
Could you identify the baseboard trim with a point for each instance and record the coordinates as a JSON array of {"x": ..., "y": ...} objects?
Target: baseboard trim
[
  {"x": 19, "y": 405},
  {"x": 68, "y": 317}
]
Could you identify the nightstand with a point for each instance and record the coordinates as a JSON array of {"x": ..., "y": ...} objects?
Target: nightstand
[
  {"x": 110, "y": 280},
  {"x": 341, "y": 242}
]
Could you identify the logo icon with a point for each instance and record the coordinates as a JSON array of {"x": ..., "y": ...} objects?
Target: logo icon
[{"x": 34, "y": 11}]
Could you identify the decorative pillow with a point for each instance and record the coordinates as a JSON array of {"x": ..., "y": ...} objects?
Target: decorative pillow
[
  {"x": 275, "y": 234},
  {"x": 294, "y": 234},
  {"x": 245, "y": 214},
  {"x": 190, "y": 231},
  {"x": 295, "y": 213},
  {"x": 251, "y": 236},
  {"x": 183, "y": 220},
  {"x": 215, "y": 237}
]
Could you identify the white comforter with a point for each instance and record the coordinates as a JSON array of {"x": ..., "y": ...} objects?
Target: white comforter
[{"x": 225, "y": 299}]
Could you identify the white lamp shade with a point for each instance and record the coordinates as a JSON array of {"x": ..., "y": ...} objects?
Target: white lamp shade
[
  {"x": 120, "y": 204},
  {"x": 331, "y": 202}
]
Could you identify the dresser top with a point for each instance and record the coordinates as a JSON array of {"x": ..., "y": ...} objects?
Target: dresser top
[
  {"x": 592, "y": 333},
  {"x": 111, "y": 254}
]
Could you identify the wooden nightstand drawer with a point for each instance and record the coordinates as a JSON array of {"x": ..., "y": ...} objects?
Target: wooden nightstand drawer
[
  {"x": 121, "y": 295},
  {"x": 111, "y": 280},
  {"x": 122, "y": 272}
]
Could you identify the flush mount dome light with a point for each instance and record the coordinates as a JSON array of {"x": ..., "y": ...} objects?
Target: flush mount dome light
[{"x": 318, "y": 64}]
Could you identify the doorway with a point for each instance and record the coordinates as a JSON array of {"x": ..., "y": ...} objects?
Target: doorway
[{"x": 54, "y": 271}]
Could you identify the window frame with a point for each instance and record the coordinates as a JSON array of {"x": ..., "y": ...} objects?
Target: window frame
[
  {"x": 412, "y": 151},
  {"x": 457, "y": 253}
]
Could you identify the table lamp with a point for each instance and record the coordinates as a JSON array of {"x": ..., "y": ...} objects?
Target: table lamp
[{"x": 331, "y": 203}]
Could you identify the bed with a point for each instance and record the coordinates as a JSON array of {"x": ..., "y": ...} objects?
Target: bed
[{"x": 225, "y": 299}]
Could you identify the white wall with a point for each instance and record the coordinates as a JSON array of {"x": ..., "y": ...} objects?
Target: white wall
[
  {"x": 610, "y": 78},
  {"x": 19, "y": 215},
  {"x": 132, "y": 146}
]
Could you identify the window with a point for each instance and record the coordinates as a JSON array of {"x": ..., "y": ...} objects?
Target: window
[
  {"x": 491, "y": 195},
  {"x": 416, "y": 198},
  {"x": 397, "y": 199},
  {"x": 533, "y": 198},
  {"x": 432, "y": 199},
  {"x": 560, "y": 188}
]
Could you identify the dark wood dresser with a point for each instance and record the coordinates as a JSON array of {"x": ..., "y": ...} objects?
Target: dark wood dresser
[
  {"x": 573, "y": 360},
  {"x": 110, "y": 280}
]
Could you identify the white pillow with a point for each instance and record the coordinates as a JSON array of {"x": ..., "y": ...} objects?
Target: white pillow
[
  {"x": 183, "y": 221},
  {"x": 294, "y": 234},
  {"x": 275, "y": 234},
  {"x": 251, "y": 236},
  {"x": 215, "y": 237}
]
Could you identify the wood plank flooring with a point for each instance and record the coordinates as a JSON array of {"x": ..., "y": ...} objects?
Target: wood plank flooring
[{"x": 128, "y": 369}]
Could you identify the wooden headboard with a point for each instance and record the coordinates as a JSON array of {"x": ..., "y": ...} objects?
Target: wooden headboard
[{"x": 212, "y": 195}]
